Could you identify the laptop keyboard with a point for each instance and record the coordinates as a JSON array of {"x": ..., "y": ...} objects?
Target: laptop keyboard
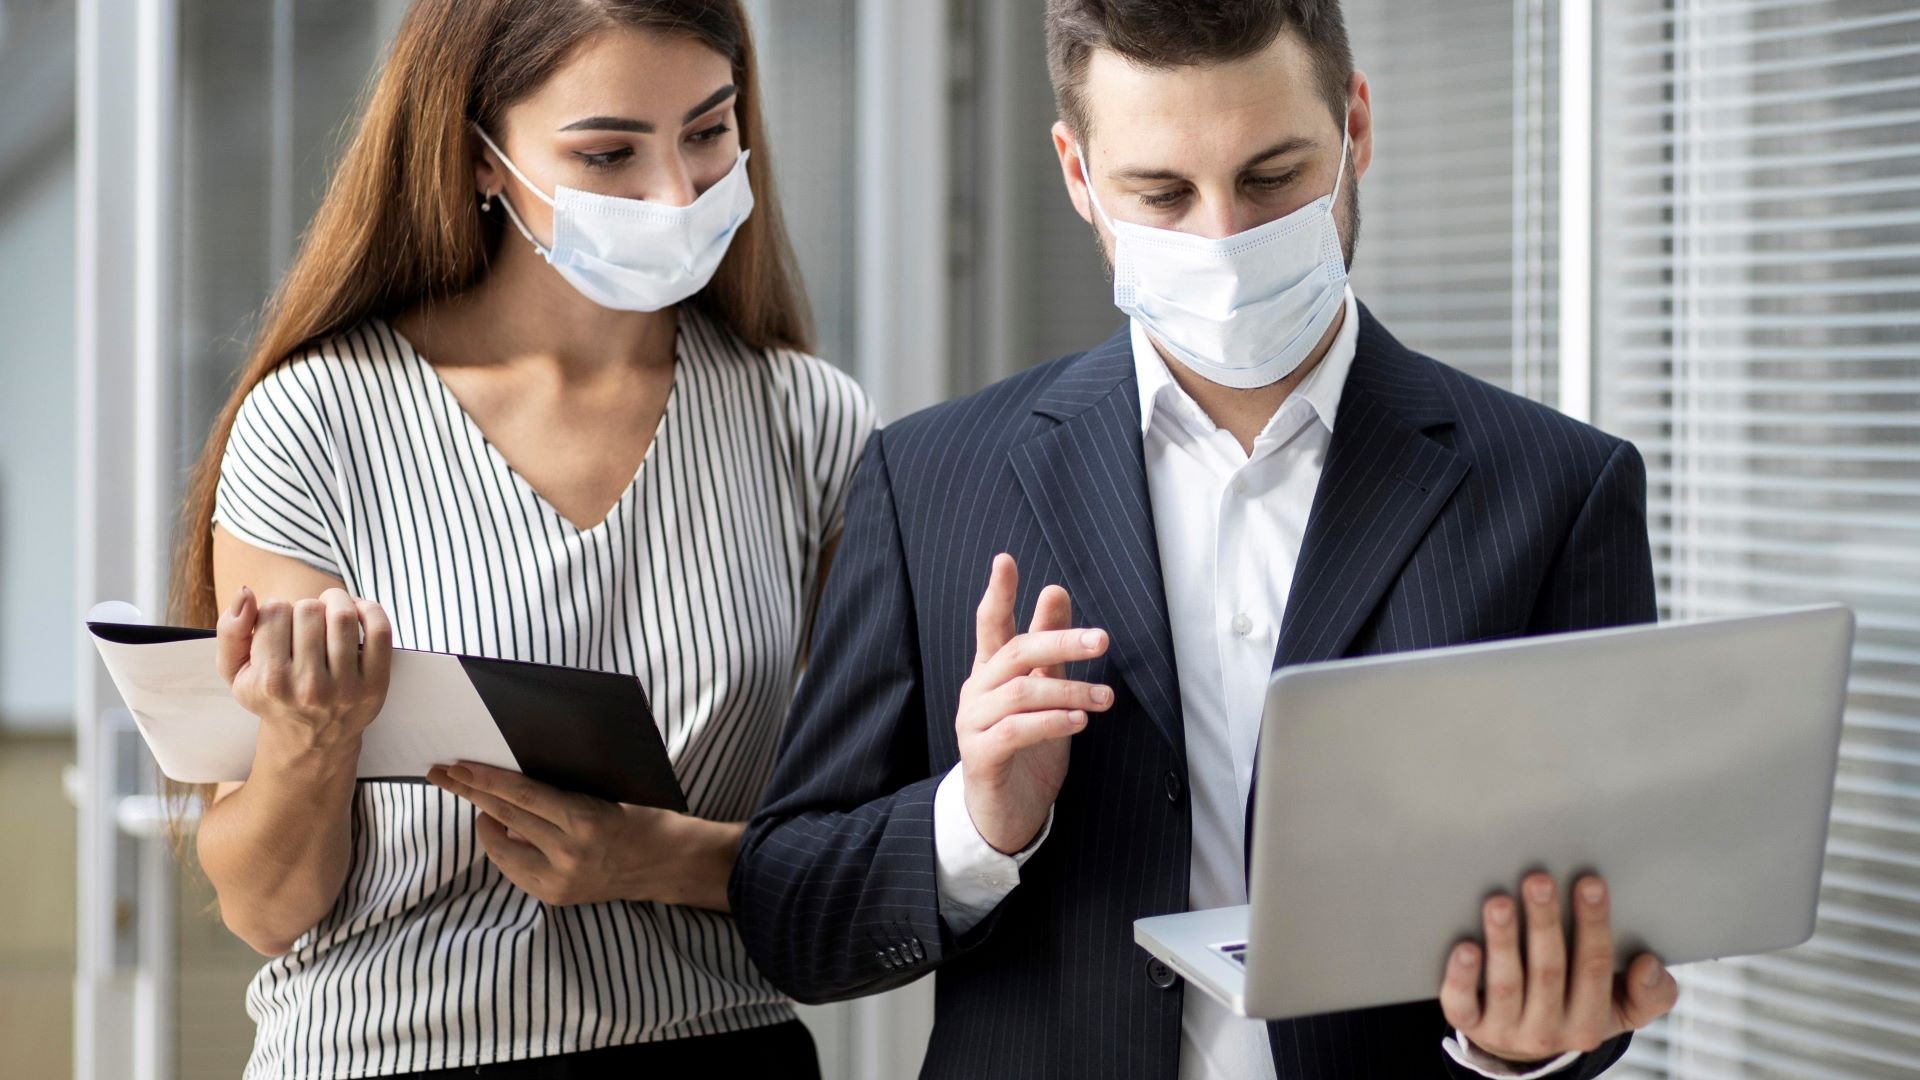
[{"x": 1234, "y": 951}]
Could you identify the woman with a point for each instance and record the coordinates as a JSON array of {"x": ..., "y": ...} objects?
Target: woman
[{"x": 535, "y": 388}]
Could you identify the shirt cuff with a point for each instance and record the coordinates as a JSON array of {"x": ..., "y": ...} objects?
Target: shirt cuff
[
  {"x": 1462, "y": 1050},
  {"x": 971, "y": 876}
]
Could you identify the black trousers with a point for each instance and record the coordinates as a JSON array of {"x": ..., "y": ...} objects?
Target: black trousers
[{"x": 777, "y": 1052}]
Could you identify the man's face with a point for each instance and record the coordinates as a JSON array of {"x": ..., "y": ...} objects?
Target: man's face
[{"x": 1214, "y": 149}]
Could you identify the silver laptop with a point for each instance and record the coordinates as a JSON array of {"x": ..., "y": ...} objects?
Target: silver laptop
[{"x": 1692, "y": 764}]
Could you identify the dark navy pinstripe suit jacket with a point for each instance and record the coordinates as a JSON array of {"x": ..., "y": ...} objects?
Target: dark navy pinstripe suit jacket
[{"x": 1449, "y": 511}]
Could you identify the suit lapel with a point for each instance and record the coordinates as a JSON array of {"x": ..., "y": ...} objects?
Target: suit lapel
[
  {"x": 1385, "y": 481},
  {"x": 1085, "y": 478}
]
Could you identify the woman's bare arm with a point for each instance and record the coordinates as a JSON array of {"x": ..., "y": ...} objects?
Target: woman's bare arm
[{"x": 275, "y": 846}]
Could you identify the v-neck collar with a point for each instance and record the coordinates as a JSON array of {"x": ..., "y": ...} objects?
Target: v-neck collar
[{"x": 513, "y": 475}]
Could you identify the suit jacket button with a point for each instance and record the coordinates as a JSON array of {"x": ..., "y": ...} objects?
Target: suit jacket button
[
  {"x": 1174, "y": 786},
  {"x": 1160, "y": 975}
]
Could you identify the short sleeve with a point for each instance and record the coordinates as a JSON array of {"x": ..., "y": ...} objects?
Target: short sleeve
[
  {"x": 834, "y": 418},
  {"x": 277, "y": 489}
]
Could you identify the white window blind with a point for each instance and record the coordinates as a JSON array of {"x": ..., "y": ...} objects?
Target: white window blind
[
  {"x": 1459, "y": 214},
  {"x": 1757, "y": 334}
]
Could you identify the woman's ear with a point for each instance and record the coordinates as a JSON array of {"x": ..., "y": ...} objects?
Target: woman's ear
[{"x": 488, "y": 177}]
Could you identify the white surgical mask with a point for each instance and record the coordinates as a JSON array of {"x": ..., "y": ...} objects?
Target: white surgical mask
[
  {"x": 1244, "y": 310},
  {"x": 632, "y": 254}
]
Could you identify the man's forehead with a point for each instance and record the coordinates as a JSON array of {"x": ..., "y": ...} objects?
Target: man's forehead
[
  {"x": 1150, "y": 123},
  {"x": 1277, "y": 82}
]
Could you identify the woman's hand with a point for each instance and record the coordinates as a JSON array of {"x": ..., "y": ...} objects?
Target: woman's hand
[
  {"x": 300, "y": 667},
  {"x": 563, "y": 848}
]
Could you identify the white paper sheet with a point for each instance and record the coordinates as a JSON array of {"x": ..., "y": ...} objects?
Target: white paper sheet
[{"x": 200, "y": 735}]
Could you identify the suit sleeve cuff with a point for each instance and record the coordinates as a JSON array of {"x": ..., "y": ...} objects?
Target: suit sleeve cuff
[
  {"x": 971, "y": 876},
  {"x": 1472, "y": 1057}
]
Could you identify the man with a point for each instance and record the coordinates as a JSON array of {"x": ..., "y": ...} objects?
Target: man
[{"x": 1252, "y": 474}]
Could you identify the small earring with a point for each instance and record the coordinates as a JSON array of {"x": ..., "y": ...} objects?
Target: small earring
[{"x": 486, "y": 202}]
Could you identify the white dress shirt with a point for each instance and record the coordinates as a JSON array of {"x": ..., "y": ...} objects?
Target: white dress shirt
[{"x": 1229, "y": 525}]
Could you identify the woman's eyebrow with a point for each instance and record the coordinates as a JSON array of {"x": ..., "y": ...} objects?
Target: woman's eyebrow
[{"x": 645, "y": 127}]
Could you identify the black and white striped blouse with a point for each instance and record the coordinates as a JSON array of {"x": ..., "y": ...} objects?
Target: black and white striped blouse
[{"x": 356, "y": 459}]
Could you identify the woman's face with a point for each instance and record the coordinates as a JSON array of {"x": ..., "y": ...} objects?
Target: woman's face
[{"x": 632, "y": 113}]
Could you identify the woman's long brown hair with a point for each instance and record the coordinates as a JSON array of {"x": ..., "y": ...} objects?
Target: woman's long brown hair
[{"x": 400, "y": 223}]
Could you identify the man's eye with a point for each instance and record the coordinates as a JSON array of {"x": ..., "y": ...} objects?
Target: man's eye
[
  {"x": 1164, "y": 199},
  {"x": 1274, "y": 183},
  {"x": 607, "y": 159}
]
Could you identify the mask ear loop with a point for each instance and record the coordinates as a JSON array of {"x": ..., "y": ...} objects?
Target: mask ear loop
[
  {"x": 1340, "y": 176},
  {"x": 512, "y": 214},
  {"x": 1086, "y": 176}
]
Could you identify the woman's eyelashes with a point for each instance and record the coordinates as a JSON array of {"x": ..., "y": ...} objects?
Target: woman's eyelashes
[
  {"x": 604, "y": 159},
  {"x": 607, "y": 159}
]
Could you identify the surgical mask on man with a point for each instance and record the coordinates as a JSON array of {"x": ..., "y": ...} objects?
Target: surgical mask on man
[
  {"x": 1245, "y": 310},
  {"x": 631, "y": 254}
]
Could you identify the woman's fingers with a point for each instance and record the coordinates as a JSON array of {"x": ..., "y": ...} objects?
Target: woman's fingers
[
  {"x": 537, "y": 830},
  {"x": 376, "y": 660},
  {"x": 272, "y": 650},
  {"x": 234, "y": 634},
  {"x": 343, "y": 637},
  {"x": 312, "y": 679}
]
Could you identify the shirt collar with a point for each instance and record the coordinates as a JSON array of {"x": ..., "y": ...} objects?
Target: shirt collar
[{"x": 1321, "y": 389}]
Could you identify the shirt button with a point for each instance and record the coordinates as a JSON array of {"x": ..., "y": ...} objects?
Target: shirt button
[
  {"x": 1173, "y": 786},
  {"x": 1242, "y": 626},
  {"x": 1160, "y": 975}
]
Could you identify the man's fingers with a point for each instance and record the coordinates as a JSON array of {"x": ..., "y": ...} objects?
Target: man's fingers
[
  {"x": 1460, "y": 987},
  {"x": 343, "y": 636},
  {"x": 1053, "y": 611},
  {"x": 1505, "y": 987},
  {"x": 1040, "y": 693},
  {"x": 234, "y": 635},
  {"x": 1590, "y": 998},
  {"x": 993, "y": 621},
  {"x": 1051, "y": 648},
  {"x": 1546, "y": 954},
  {"x": 1022, "y": 730},
  {"x": 1648, "y": 991}
]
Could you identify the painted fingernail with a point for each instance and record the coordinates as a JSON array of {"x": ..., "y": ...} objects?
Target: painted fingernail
[
  {"x": 461, "y": 775},
  {"x": 1102, "y": 695},
  {"x": 1593, "y": 892},
  {"x": 1092, "y": 639}
]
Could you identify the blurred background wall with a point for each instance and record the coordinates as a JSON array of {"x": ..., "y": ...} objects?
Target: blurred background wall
[{"x": 1694, "y": 222}]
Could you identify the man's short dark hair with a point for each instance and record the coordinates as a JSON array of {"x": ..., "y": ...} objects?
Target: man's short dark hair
[{"x": 1181, "y": 33}]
